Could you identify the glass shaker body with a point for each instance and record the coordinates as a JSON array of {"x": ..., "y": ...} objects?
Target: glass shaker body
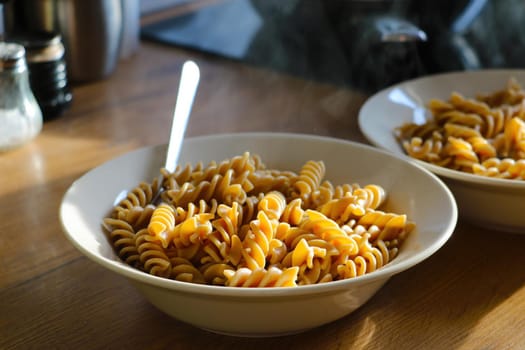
[{"x": 20, "y": 115}]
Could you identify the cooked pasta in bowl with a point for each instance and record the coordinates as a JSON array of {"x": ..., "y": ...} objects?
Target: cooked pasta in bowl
[
  {"x": 466, "y": 127},
  {"x": 305, "y": 226}
]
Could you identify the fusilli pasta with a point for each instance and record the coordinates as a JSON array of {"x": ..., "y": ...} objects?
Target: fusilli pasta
[
  {"x": 238, "y": 223},
  {"x": 472, "y": 134}
]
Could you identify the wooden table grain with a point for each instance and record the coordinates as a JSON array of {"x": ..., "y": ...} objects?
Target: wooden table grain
[{"x": 469, "y": 295}]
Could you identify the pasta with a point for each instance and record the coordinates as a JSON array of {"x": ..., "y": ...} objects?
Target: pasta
[
  {"x": 483, "y": 135},
  {"x": 237, "y": 223}
]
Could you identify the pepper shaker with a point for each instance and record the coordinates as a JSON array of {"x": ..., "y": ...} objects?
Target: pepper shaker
[
  {"x": 47, "y": 71},
  {"x": 20, "y": 115}
]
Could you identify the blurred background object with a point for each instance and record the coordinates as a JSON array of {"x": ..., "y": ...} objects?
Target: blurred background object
[
  {"x": 365, "y": 44},
  {"x": 70, "y": 42},
  {"x": 152, "y": 6},
  {"x": 92, "y": 33},
  {"x": 95, "y": 33}
]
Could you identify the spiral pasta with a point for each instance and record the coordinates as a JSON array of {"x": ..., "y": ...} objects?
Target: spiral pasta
[
  {"x": 314, "y": 261},
  {"x": 162, "y": 223},
  {"x": 257, "y": 242},
  {"x": 309, "y": 180},
  {"x": 183, "y": 270},
  {"x": 272, "y": 277},
  {"x": 238, "y": 223},
  {"x": 140, "y": 196},
  {"x": 152, "y": 256},
  {"x": 464, "y": 133},
  {"x": 122, "y": 236}
]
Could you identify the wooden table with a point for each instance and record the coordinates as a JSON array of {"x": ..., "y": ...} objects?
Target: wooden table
[{"x": 469, "y": 295}]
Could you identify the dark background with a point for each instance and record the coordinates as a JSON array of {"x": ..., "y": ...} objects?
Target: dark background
[{"x": 343, "y": 42}]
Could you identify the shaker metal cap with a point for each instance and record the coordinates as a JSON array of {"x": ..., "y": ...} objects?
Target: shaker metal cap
[{"x": 12, "y": 57}]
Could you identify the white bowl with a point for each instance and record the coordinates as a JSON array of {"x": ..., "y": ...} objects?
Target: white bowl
[
  {"x": 264, "y": 311},
  {"x": 487, "y": 202}
]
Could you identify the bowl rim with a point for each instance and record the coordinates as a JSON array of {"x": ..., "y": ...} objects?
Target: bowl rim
[
  {"x": 382, "y": 274},
  {"x": 436, "y": 169}
]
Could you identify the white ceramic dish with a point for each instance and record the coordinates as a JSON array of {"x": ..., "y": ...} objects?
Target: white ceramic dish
[
  {"x": 264, "y": 311},
  {"x": 486, "y": 202}
]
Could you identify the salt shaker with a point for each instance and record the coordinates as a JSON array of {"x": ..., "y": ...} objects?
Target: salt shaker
[{"x": 20, "y": 115}]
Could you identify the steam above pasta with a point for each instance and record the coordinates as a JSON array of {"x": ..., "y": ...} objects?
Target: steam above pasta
[
  {"x": 483, "y": 135},
  {"x": 239, "y": 223}
]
